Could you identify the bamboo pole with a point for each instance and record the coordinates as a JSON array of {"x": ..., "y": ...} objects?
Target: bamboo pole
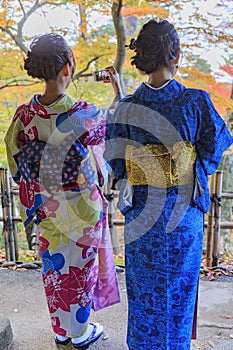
[
  {"x": 210, "y": 226},
  {"x": 110, "y": 195},
  {"x": 223, "y": 224},
  {"x": 227, "y": 195},
  {"x": 11, "y": 234},
  {"x": 34, "y": 239},
  {"x": 4, "y": 214},
  {"x": 14, "y": 218},
  {"x": 14, "y": 222},
  {"x": 217, "y": 216},
  {"x": 10, "y": 216},
  {"x": 112, "y": 227}
]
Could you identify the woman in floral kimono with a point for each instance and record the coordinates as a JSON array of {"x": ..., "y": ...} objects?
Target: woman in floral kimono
[
  {"x": 162, "y": 143},
  {"x": 55, "y": 152}
]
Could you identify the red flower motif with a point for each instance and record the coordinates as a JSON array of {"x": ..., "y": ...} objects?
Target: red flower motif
[
  {"x": 76, "y": 287},
  {"x": 57, "y": 291},
  {"x": 56, "y": 326},
  {"x": 83, "y": 283},
  {"x": 30, "y": 135},
  {"x": 27, "y": 192},
  {"x": 43, "y": 244},
  {"x": 41, "y": 111},
  {"x": 25, "y": 113},
  {"x": 48, "y": 209}
]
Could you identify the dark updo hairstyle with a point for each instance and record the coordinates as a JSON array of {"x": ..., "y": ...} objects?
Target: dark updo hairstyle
[
  {"x": 47, "y": 56},
  {"x": 155, "y": 46}
]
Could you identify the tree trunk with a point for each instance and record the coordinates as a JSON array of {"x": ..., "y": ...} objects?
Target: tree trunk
[
  {"x": 121, "y": 40},
  {"x": 83, "y": 24}
]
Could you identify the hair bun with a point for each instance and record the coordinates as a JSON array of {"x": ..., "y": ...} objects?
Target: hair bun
[
  {"x": 47, "y": 55},
  {"x": 156, "y": 46},
  {"x": 163, "y": 27}
]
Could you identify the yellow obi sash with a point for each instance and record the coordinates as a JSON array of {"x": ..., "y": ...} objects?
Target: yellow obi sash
[{"x": 160, "y": 166}]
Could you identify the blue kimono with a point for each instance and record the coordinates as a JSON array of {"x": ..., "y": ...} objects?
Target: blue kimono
[{"x": 162, "y": 145}]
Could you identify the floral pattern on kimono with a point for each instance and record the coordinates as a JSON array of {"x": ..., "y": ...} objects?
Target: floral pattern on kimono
[{"x": 50, "y": 155}]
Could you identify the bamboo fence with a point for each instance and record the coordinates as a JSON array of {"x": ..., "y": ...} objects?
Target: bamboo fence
[
  {"x": 10, "y": 219},
  {"x": 8, "y": 231}
]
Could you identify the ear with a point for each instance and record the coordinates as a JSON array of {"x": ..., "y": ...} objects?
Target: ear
[
  {"x": 66, "y": 70},
  {"x": 176, "y": 60}
]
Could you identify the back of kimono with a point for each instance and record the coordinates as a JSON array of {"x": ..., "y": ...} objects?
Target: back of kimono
[
  {"x": 162, "y": 143},
  {"x": 50, "y": 155}
]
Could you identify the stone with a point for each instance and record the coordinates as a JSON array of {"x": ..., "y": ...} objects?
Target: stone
[
  {"x": 9, "y": 264},
  {"x": 6, "y": 334},
  {"x": 28, "y": 265}
]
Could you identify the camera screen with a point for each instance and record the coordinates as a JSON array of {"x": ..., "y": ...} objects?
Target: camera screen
[{"x": 101, "y": 75}]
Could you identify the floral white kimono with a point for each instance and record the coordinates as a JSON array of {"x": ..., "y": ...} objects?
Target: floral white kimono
[{"x": 55, "y": 156}]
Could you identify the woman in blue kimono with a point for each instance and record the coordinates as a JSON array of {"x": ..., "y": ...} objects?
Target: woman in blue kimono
[{"x": 163, "y": 142}]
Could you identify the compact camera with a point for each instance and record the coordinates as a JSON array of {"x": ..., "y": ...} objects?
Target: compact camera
[{"x": 101, "y": 75}]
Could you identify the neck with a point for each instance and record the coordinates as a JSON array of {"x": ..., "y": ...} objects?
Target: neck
[
  {"x": 53, "y": 91},
  {"x": 160, "y": 77}
]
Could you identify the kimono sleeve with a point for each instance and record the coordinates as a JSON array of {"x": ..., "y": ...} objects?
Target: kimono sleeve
[
  {"x": 117, "y": 136},
  {"x": 94, "y": 126},
  {"x": 214, "y": 137},
  {"x": 13, "y": 146}
]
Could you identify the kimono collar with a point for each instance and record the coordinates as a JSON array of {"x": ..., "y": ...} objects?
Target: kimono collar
[
  {"x": 63, "y": 104},
  {"x": 167, "y": 92}
]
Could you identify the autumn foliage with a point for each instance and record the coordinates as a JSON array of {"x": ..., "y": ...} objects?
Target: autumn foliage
[{"x": 96, "y": 46}]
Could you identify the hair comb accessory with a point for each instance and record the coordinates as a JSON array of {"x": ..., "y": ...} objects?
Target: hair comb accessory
[
  {"x": 158, "y": 20},
  {"x": 132, "y": 45}
]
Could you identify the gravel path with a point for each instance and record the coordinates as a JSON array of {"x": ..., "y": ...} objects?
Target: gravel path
[{"x": 22, "y": 301}]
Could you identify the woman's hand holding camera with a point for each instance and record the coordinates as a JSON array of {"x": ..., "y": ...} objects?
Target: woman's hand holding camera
[{"x": 115, "y": 81}]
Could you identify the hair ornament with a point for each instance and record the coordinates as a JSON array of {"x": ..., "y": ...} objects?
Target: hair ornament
[
  {"x": 132, "y": 44},
  {"x": 158, "y": 20}
]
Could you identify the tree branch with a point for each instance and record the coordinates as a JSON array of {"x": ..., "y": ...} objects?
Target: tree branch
[
  {"x": 19, "y": 82},
  {"x": 79, "y": 74},
  {"x": 25, "y": 82},
  {"x": 22, "y": 8},
  {"x": 18, "y": 37}
]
